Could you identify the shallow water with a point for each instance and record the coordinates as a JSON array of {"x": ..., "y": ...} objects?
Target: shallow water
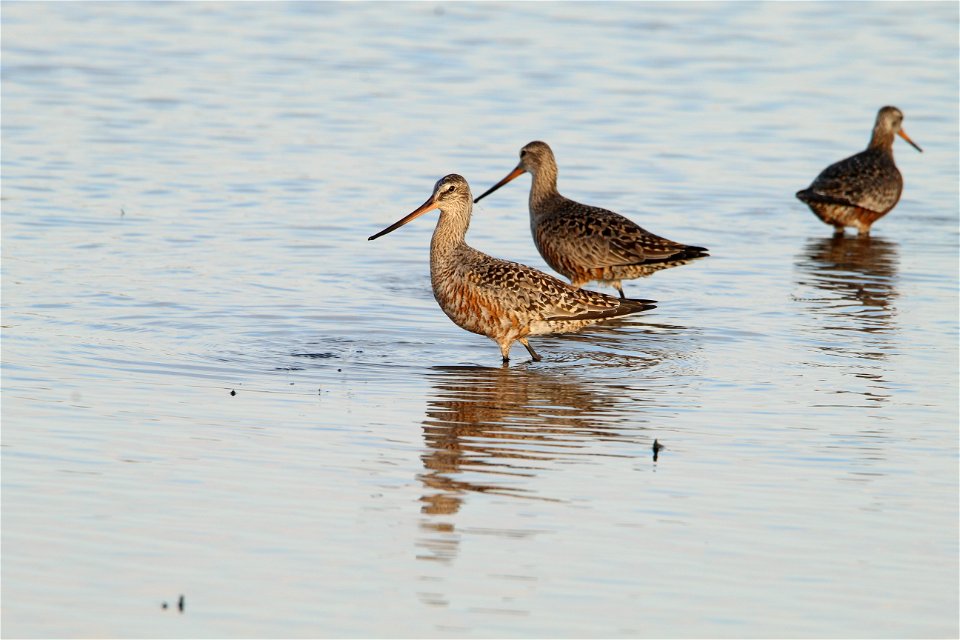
[{"x": 214, "y": 386}]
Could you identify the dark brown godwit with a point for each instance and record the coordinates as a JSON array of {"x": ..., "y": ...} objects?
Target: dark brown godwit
[
  {"x": 505, "y": 301},
  {"x": 858, "y": 191},
  {"x": 587, "y": 243}
]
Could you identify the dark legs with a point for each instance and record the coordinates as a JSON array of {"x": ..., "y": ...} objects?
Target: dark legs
[
  {"x": 533, "y": 354},
  {"x": 505, "y": 350}
]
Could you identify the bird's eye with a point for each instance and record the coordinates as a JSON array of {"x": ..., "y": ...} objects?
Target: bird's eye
[{"x": 450, "y": 189}]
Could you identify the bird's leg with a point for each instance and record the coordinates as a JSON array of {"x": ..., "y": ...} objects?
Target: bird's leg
[
  {"x": 838, "y": 230},
  {"x": 533, "y": 354},
  {"x": 619, "y": 288},
  {"x": 505, "y": 351}
]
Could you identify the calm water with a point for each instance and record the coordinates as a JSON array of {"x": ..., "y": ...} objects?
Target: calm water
[{"x": 214, "y": 386}]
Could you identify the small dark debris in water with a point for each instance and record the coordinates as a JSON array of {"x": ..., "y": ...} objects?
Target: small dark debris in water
[
  {"x": 656, "y": 449},
  {"x": 233, "y": 392},
  {"x": 122, "y": 212},
  {"x": 339, "y": 370},
  {"x": 180, "y": 604},
  {"x": 315, "y": 356}
]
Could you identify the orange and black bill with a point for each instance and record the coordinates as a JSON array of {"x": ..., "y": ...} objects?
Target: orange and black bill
[
  {"x": 510, "y": 176},
  {"x": 903, "y": 134},
  {"x": 429, "y": 205}
]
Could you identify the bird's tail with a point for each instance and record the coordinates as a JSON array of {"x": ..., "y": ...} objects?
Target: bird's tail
[{"x": 634, "y": 305}]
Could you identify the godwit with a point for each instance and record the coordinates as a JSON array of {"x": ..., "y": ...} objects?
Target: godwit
[
  {"x": 858, "y": 191},
  {"x": 502, "y": 300},
  {"x": 587, "y": 243}
]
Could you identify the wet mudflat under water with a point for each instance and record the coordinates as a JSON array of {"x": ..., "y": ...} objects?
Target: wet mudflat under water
[{"x": 214, "y": 386}]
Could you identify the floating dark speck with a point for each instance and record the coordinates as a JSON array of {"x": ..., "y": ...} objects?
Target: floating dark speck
[
  {"x": 656, "y": 449},
  {"x": 233, "y": 392},
  {"x": 180, "y": 603}
]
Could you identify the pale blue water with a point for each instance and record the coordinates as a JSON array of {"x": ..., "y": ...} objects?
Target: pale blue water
[{"x": 187, "y": 193}]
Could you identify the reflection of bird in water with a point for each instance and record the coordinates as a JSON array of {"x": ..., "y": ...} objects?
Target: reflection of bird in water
[
  {"x": 488, "y": 430},
  {"x": 857, "y": 269},
  {"x": 505, "y": 422},
  {"x": 851, "y": 313},
  {"x": 858, "y": 191},
  {"x": 860, "y": 275}
]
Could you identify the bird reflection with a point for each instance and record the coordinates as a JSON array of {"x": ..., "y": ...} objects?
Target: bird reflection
[
  {"x": 853, "y": 314},
  {"x": 488, "y": 430},
  {"x": 859, "y": 275}
]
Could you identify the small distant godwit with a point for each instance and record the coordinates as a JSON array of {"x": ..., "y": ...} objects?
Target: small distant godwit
[
  {"x": 587, "y": 243},
  {"x": 505, "y": 301},
  {"x": 858, "y": 191}
]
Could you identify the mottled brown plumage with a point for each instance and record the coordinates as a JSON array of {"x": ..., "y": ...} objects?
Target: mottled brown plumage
[
  {"x": 505, "y": 301},
  {"x": 861, "y": 189},
  {"x": 587, "y": 243}
]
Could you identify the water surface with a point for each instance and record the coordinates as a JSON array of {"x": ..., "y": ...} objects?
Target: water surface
[{"x": 214, "y": 386}]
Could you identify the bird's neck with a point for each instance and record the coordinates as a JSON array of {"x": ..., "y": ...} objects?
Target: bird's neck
[
  {"x": 543, "y": 187},
  {"x": 450, "y": 233},
  {"x": 881, "y": 140}
]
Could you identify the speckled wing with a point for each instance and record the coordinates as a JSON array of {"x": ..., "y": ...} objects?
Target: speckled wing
[
  {"x": 591, "y": 237},
  {"x": 867, "y": 180},
  {"x": 543, "y": 297}
]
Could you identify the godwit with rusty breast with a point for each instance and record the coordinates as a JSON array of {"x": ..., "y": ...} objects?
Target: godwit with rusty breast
[
  {"x": 505, "y": 301},
  {"x": 587, "y": 243},
  {"x": 858, "y": 191}
]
